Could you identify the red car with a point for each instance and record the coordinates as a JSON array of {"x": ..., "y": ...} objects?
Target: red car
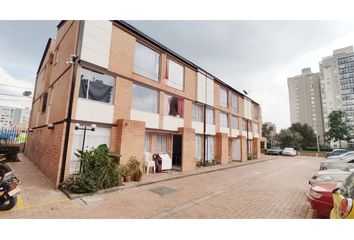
[{"x": 320, "y": 198}]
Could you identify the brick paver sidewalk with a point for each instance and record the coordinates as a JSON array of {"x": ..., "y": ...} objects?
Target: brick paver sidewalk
[{"x": 269, "y": 189}]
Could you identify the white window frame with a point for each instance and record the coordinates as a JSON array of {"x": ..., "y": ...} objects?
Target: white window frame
[
  {"x": 223, "y": 97},
  {"x": 175, "y": 75}
]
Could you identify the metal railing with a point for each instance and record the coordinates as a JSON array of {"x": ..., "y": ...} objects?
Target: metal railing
[{"x": 9, "y": 136}]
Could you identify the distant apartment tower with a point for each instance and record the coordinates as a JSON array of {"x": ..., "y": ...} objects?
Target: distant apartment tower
[
  {"x": 305, "y": 100},
  {"x": 10, "y": 116},
  {"x": 337, "y": 84}
]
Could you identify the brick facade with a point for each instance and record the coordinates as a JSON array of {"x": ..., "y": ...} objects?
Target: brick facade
[{"x": 127, "y": 136}]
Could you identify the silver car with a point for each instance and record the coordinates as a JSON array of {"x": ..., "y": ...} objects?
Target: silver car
[
  {"x": 340, "y": 163},
  {"x": 332, "y": 175},
  {"x": 343, "y": 155}
]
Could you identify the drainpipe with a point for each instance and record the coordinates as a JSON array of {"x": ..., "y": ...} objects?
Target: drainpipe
[
  {"x": 204, "y": 138},
  {"x": 247, "y": 138},
  {"x": 71, "y": 99}
]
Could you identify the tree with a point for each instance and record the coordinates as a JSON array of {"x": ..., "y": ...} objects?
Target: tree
[
  {"x": 338, "y": 128},
  {"x": 289, "y": 138},
  {"x": 307, "y": 134},
  {"x": 266, "y": 131}
]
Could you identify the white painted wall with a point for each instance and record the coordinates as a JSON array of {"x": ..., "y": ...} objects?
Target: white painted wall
[
  {"x": 198, "y": 127},
  {"x": 256, "y": 135},
  {"x": 151, "y": 119},
  {"x": 172, "y": 123},
  {"x": 201, "y": 88},
  {"x": 225, "y": 130},
  {"x": 94, "y": 111},
  {"x": 210, "y": 129},
  {"x": 96, "y": 42},
  {"x": 210, "y": 91}
]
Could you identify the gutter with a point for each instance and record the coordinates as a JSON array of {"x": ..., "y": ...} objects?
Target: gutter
[{"x": 70, "y": 106}]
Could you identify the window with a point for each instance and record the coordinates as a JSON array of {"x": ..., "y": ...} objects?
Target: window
[
  {"x": 161, "y": 143},
  {"x": 175, "y": 75},
  {"x": 92, "y": 140},
  {"x": 173, "y": 106},
  {"x": 256, "y": 128},
  {"x": 199, "y": 147},
  {"x": 244, "y": 125},
  {"x": 44, "y": 101},
  {"x": 256, "y": 115},
  {"x": 223, "y": 97},
  {"x": 96, "y": 86},
  {"x": 234, "y": 103},
  {"x": 144, "y": 99},
  {"x": 147, "y": 62},
  {"x": 147, "y": 144},
  {"x": 197, "y": 114},
  {"x": 210, "y": 148},
  {"x": 234, "y": 122},
  {"x": 223, "y": 120},
  {"x": 209, "y": 114}
]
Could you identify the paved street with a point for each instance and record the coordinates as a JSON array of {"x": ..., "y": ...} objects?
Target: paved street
[{"x": 270, "y": 189}]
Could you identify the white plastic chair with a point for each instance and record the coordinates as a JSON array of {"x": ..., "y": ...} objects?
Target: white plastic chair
[{"x": 148, "y": 162}]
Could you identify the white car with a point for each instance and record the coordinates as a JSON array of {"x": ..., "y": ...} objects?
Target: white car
[
  {"x": 332, "y": 175},
  {"x": 340, "y": 163},
  {"x": 343, "y": 155},
  {"x": 289, "y": 152}
]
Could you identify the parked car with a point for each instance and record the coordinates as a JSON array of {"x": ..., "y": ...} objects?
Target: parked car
[
  {"x": 342, "y": 155},
  {"x": 343, "y": 199},
  {"x": 274, "y": 150},
  {"x": 289, "y": 152},
  {"x": 335, "y": 152},
  {"x": 331, "y": 175},
  {"x": 320, "y": 198},
  {"x": 340, "y": 163}
]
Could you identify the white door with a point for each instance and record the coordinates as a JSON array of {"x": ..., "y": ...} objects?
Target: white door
[
  {"x": 236, "y": 150},
  {"x": 92, "y": 140}
]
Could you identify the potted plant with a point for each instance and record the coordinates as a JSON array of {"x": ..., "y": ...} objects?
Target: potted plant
[
  {"x": 135, "y": 168},
  {"x": 126, "y": 172}
]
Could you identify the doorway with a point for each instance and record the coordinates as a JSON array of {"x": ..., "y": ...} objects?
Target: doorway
[
  {"x": 177, "y": 151},
  {"x": 236, "y": 150}
]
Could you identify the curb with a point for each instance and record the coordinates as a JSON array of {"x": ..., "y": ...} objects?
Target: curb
[{"x": 124, "y": 187}]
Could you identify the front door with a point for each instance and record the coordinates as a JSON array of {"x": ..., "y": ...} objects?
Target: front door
[
  {"x": 177, "y": 151},
  {"x": 236, "y": 150}
]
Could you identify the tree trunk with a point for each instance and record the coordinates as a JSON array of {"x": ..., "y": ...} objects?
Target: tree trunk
[{"x": 340, "y": 143}]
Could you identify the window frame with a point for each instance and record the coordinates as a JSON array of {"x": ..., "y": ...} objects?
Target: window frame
[
  {"x": 168, "y": 59},
  {"x": 150, "y": 88},
  {"x": 201, "y": 107},
  {"x": 227, "y": 119},
  {"x": 227, "y": 96},
  {"x": 114, "y": 86},
  {"x": 160, "y": 60},
  {"x": 206, "y": 115}
]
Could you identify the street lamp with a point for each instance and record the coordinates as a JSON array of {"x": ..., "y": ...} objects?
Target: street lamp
[{"x": 92, "y": 127}]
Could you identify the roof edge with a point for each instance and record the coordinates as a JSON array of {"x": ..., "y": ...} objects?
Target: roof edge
[{"x": 44, "y": 53}]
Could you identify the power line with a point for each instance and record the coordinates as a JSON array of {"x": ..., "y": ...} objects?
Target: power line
[
  {"x": 11, "y": 95},
  {"x": 13, "y": 86},
  {"x": 14, "y": 99}
]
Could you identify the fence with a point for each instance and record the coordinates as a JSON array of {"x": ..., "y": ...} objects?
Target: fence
[{"x": 10, "y": 136}]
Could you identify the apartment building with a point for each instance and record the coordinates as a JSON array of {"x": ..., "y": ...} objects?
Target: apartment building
[
  {"x": 305, "y": 100},
  {"x": 10, "y": 116},
  {"x": 142, "y": 97},
  {"x": 337, "y": 84}
]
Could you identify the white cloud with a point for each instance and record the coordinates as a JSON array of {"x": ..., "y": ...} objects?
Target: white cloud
[{"x": 7, "y": 79}]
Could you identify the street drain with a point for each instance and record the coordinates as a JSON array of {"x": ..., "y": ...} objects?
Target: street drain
[{"x": 162, "y": 190}]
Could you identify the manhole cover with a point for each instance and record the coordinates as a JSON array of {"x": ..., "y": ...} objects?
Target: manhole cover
[{"x": 162, "y": 190}]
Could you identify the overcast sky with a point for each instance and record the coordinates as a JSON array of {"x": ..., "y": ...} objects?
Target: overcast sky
[{"x": 257, "y": 56}]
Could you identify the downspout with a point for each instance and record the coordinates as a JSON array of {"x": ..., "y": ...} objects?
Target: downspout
[
  {"x": 204, "y": 138},
  {"x": 70, "y": 106}
]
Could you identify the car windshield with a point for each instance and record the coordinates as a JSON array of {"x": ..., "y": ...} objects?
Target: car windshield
[{"x": 349, "y": 185}]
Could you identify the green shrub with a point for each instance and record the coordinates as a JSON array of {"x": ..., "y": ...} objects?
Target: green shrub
[{"x": 99, "y": 171}]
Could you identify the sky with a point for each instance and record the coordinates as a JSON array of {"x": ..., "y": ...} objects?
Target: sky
[{"x": 256, "y": 56}]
